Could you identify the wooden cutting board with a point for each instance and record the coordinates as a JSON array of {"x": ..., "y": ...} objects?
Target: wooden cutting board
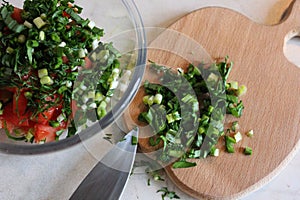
[{"x": 272, "y": 102}]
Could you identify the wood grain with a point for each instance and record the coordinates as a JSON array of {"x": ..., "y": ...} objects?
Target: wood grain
[{"x": 272, "y": 101}]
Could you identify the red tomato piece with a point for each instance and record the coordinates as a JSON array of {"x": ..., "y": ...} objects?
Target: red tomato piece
[
  {"x": 50, "y": 114},
  {"x": 74, "y": 108},
  {"x": 65, "y": 14},
  {"x": 9, "y": 126},
  {"x": 45, "y": 117},
  {"x": 44, "y": 132},
  {"x": 65, "y": 59},
  {"x": 11, "y": 89},
  {"x": 1, "y": 122},
  {"x": 19, "y": 103},
  {"x": 63, "y": 125},
  {"x": 16, "y": 120},
  {"x": 5, "y": 95},
  {"x": 17, "y": 15},
  {"x": 54, "y": 98},
  {"x": 88, "y": 63}
]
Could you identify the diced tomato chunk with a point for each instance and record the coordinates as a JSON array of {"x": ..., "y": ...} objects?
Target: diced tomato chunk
[
  {"x": 88, "y": 63},
  {"x": 14, "y": 118},
  {"x": 62, "y": 125},
  {"x": 44, "y": 132},
  {"x": 45, "y": 117},
  {"x": 8, "y": 125},
  {"x": 10, "y": 89},
  {"x": 17, "y": 15},
  {"x": 50, "y": 114},
  {"x": 5, "y": 95},
  {"x": 74, "y": 108},
  {"x": 65, "y": 14},
  {"x": 54, "y": 98},
  {"x": 19, "y": 103},
  {"x": 65, "y": 59}
]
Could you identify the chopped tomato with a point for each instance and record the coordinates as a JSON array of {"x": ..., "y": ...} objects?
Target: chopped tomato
[
  {"x": 88, "y": 63},
  {"x": 65, "y": 59},
  {"x": 45, "y": 117},
  {"x": 5, "y": 95},
  {"x": 16, "y": 120},
  {"x": 44, "y": 132},
  {"x": 62, "y": 125},
  {"x": 19, "y": 103},
  {"x": 6, "y": 30},
  {"x": 17, "y": 15},
  {"x": 65, "y": 14},
  {"x": 50, "y": 114},
  {"x": 11, "y": 89},
  {"x": 54, "y": 98},
  {"x": 9, "y": 126},
  {"x": 74, "y": 108}
]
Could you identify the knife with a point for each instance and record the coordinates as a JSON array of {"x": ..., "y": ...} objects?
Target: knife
[{"x": 108, "y": 178}]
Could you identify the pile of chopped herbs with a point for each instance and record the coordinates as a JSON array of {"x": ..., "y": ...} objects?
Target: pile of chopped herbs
[
  {"x": 52, "y": 58},
  {"x": 186, "y": 110}
]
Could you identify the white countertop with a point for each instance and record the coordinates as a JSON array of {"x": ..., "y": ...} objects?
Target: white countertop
[{"x": 56, "y": 175}]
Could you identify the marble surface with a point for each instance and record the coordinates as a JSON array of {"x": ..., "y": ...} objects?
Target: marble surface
[{"x": 56, "y": 175}]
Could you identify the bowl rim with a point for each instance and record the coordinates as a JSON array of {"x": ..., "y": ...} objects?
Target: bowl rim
[{"x": 113, "y": 114}]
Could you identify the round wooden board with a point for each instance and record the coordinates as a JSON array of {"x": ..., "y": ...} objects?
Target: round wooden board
[{"x": 272, "y": 107}]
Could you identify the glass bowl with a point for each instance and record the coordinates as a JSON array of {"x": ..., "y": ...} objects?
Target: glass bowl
[{"x": 123, "y": 27}]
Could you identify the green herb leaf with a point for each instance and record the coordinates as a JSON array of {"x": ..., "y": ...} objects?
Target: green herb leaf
[
  {"x": 183, "y": 164},
  {"x": 166, "y": 193}
]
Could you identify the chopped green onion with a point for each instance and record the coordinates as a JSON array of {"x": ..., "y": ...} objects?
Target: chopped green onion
[
  {"x": 212, "y": 78},
  {"x": 54, "y": 124},
  {"x": 42, "y": 35},
  {"x": 91, "y": 24},
  {"x": 157, "y": 98},
  {"x": 210, "y": 109},
  {"x": 172, "y": 117},
  {"x": 101, "y": 110},
  {"x": 235, "y": 126},
  {"x": 42, "y": 73},
  {"x": 134, "y": 140},
  {"x": 9, "y": 50},
  {"x": 28, "y": 95},
  {"x": 1, "y": 110},
  {"x": 250, "y": 133},
  {"x": 166, "y": 193},
  {"x": 46, "y": 80},
  {"x": 241, "y": 91},
  {"x": 29, "y": 136},
  {"x": 175, "y": 153},
  {"x": 238, "y": 137},
  {"x": 28, "y": 24},
  {"x": 183, "y": 164},
  {"x": 148, "y": 100},
  {"x": 248, "y": 151},
  {"x": 229, "y": 143},
  {"x": 233, "y": 85},
  {"x": 215, "y": 152},
  {"x": 39, "y": 22},
  {"x": 201, "y": 130},
  {"x": 22, "y": 38},
  {"x": 81, "y": 53},
  {"x": 99, "y": 97},
  {"x": 62, "y": 89},
  {"x": 43, "y": 16},
  {"x": 187, "y": 98}
]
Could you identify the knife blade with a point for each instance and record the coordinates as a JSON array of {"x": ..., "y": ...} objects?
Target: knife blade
[{"x": 108, "y": 178}]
